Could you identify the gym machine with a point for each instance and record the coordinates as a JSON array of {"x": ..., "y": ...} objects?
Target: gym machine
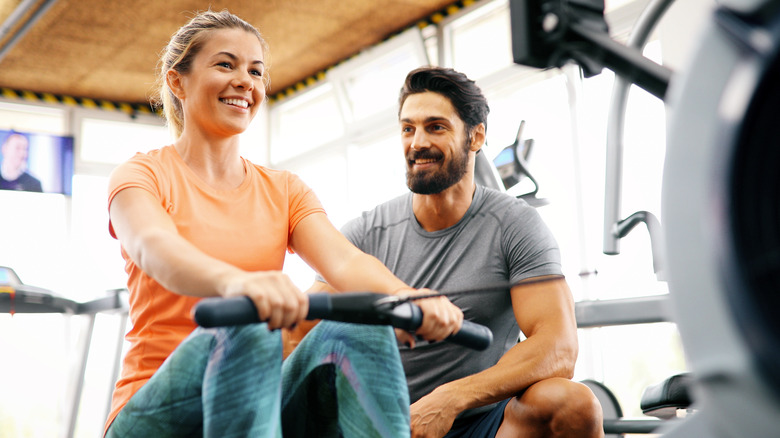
[
  {"x": 17, "y": 297},
  {"x": 720, "y": 229}
]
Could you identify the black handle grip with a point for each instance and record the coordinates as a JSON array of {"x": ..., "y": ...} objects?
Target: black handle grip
[
  {"x": 223, "y": 312},
  {"x": 408, "y": 316},
  {"x": 473, "y": 335},
  {"x": 220, "y": 312},
  {"x": 357, "y": 308}
]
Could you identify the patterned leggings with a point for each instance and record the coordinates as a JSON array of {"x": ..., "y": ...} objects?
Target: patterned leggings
[{"x": 342, "y": 380}]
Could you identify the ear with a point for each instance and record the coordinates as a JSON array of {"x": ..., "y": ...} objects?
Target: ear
[
  {"x": 175, "y": 81},
  {"x": 477, "y": 137}
]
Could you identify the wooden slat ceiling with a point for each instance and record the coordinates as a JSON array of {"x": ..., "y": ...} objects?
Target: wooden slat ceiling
[{"x": 108, "y": 49}]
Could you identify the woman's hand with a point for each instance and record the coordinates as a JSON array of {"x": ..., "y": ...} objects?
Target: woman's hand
[{"x": 279, "y": 302}]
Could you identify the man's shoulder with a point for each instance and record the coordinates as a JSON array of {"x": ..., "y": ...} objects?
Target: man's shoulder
[
  {"x": 493, "y": 200},
  {"x": 381, "y": 217},
  {"x": 391, "y": 210}
]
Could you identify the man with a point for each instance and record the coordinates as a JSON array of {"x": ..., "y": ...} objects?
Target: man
[
  {"x": 13, "y": 168},
  {"x": 450, "y": 234}
]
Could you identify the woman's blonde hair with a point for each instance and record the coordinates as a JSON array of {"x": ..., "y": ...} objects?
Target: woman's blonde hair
[{"x": 181, "y": 50}]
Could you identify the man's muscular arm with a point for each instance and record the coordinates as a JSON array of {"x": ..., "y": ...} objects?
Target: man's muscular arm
[{"x": 545, "y": 314}]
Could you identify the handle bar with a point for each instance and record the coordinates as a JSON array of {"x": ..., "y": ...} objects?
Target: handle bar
[{"x": 355, "y": 307}]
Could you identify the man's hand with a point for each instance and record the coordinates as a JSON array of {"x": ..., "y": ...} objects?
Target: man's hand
[
  {"x": 441, "y": 318},
  {"x": 432, "y": 416}
]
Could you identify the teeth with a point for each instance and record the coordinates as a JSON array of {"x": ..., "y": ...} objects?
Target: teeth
[
  {"x": 237, "y": 102},
  {"x": 424, "y": 160}
]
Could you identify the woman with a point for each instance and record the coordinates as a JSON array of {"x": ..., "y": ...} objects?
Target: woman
[{"x": 195, "y": 219}]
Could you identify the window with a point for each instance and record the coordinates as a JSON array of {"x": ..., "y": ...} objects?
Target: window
[
  {"x": 377, "y": 173},
  {"x": 32, "y": 118},
  {"x": 113, "y": 141},
  {"x": 374, "y": 87},
  {"x": 370, "y": 83},
  {"x": 304, "y": 123},
  {"x": 480, "y": 42}
]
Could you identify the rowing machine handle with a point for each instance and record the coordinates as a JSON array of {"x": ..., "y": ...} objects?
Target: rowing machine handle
[
  {"x": 217, "y": 312},
  {"x": 408, "y": 316}
]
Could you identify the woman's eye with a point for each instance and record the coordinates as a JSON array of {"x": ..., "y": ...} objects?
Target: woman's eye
[
  {"x": 224, "y": 64},
  {"x": 257, "y": 73}
]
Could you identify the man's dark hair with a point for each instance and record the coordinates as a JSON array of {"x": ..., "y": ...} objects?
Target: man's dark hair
[{"x": 463, "y": 93}]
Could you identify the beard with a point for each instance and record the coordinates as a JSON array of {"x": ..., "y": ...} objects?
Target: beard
[{"x": 433, "y": 181}]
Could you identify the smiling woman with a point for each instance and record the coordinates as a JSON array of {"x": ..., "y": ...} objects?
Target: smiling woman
[
  {"x": 179, "y": 56},
  {"x": 196, "y": 219},
  {"x": 219, "y": 93}
]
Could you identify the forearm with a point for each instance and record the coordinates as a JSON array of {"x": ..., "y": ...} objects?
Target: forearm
[
  {"x": 347, "y": 269},
  {"x": 320, "y": 287},
  {"x": 360, "y": 272},
  {"x": 544, "y": 311},
  {"x": 179, "y": 266},
  {"x": 151, "y": 239},
  {"x": 526, "y": 363}
]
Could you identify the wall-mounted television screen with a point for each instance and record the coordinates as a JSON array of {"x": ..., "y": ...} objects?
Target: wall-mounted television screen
[{"x": 36, "y": 162}]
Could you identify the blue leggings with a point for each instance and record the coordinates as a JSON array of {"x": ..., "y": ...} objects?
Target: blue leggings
[{"x": 342, "y": 380}]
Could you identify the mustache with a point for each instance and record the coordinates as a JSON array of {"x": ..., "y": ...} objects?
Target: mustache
[{"x": 413, "y": 155}]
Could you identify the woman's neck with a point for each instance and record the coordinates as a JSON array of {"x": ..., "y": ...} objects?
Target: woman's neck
[{"x": 216, "y": 161}]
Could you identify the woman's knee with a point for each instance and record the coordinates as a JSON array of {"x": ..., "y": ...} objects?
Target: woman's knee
[
  {"x": 249, "y": 335},
  {"x": 247, "y": 344},
  {"x": 361, "y": 337}
]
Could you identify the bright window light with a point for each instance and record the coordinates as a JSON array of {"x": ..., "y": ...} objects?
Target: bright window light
[
  {"x": 481, "y": 42},
  {"x": 32, "y": 118},
  {"x": 371, "y": 82},
  {"x": 302, "y": 124},
  {"x": 113, "y": 142},
  {"x": 377, "y": 173},
  {"x": 375, "y": 86}
]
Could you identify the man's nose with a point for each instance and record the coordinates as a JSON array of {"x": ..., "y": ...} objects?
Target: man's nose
[{"x": 420, "y": 140}]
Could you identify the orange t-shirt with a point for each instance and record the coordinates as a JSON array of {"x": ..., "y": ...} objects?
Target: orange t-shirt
[{"x": 248, "y": 227}]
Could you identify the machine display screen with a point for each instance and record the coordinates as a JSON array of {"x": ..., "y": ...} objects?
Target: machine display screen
[{"x": 8, "y": 277}]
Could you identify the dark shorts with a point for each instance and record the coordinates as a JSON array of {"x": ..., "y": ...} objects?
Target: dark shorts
[{"x": 484, "y": 425}]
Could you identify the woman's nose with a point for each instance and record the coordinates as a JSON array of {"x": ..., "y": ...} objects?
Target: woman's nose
[{"x": 243, "y": 80}]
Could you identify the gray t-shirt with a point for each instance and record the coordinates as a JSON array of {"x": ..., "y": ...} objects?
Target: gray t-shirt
[{"x": 499, "y": 240}]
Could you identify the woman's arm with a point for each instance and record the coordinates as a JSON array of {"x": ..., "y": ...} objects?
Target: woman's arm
[
  {"x": 151, "y": 239},
  {"x": 346, "y": 268}
]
